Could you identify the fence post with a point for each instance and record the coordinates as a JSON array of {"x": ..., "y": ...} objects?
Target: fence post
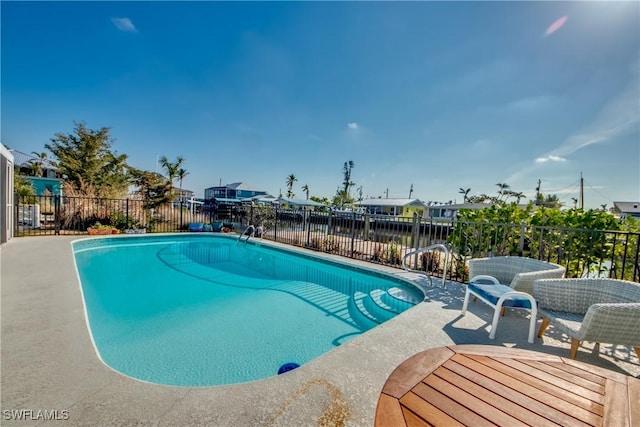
[
  {"x": 522, "y": 231},
  {"x": 127, "y": 225},
  {"x": 181, "y": 224},
  {"x": 275, "y": 227},
  {"x": 308, "y": 228},
  {"x": 353, "y": 232},
  {"x": 415, "y": 232},
  {"x": 56, "y": 214}
]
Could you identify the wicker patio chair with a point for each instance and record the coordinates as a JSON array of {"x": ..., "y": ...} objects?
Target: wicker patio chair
[
  {"x": 591, "y": 309},
  {"x": 510, "y": 285}
]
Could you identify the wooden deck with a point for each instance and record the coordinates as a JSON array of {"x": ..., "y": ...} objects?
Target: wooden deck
[{"x": 478, "y": 385}]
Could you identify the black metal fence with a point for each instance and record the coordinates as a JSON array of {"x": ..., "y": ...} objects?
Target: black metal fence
[
  {"x": 386, "y": 240},
  {"x": 583, "y": 252},
  {"x": 55, "y": 215},
  {"x": 374, "y": 238}
]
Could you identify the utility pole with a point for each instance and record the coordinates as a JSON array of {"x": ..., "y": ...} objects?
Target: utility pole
[
  {"x": 581, "y": 192},
  {"x": 387, "y": 194},
  {"x": 538, "y": 192}
]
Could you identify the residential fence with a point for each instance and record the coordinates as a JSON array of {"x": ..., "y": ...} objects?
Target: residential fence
[{"x": 380, "y": 239}]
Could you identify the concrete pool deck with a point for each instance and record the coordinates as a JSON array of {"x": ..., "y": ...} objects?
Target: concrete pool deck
[{"x": 49, "y": 363}]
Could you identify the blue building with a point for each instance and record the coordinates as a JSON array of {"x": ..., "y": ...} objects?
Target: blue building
[
  {"x": 49, "y": 184},
  {"x": 235, "y": 192}
]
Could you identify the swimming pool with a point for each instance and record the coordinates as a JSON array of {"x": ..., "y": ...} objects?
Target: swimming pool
[{"x": 202, "y": 310}]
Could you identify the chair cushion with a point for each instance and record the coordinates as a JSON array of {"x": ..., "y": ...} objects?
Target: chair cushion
[
  {"x": 567, "y": 323},
  {"x": 492, "y": 293}
]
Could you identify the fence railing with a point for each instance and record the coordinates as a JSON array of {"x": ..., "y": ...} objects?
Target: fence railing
[
  {"x": 380, "y": 239},
  {"x": 54, "y": 215},
  {"x": 385, "y": 239}
]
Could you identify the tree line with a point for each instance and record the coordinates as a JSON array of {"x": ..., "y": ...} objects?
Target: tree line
[{"x": 91, "y": 168}]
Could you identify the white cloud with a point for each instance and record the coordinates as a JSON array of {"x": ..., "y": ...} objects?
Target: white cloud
[
  {"x": 618, "y": 117},
  {"x": 550, "y": 158},
  {"x": 353, "y": 125},
  {"x": 124, "y": 24}
]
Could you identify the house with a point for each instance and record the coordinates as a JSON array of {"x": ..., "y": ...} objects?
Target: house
[
  {"x": 395, "y": 207},
  {"x": 6, "y": 194},
  {"x": 298, "y": 204},
  {"x": 451, "y": 211},
  {"x": 48, "y": 184},
  {"x": 625, "y": 209},
  {"x": 233, "y": 192}
]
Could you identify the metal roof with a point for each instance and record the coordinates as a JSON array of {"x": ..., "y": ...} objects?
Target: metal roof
[
  {"x": 242, "y": 186},
  {"x": 300, "y": 202},
  {"x": 627, "y": 207},
  {"x": 23, "y": 159},
  {"x": 463, "y": 206},
  {"x": 390, "y": 202},
  {"x": 226, "y": 200}
]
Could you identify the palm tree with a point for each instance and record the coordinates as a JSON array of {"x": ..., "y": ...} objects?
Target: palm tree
[
  {"x": 503, "y": 187},
  {"x": 465, "y": 194},
  {"x": 575, "y": 202},
  {"x": 181, "y": 174},
  {"x": 347, "y": 175},
  {"x": 37, "y": 164},
  {"x": 410, "y": 190},
  {"x": 519, "y": 196},
  {"x": 291, "y": 179},
  {"x": 173, "y": 170},
  {"x": 169, "y": 168},
  {"x": 552, "y": 201},
  {"x": 305, "y": 188},
  {"x": 508, "y": 193}
]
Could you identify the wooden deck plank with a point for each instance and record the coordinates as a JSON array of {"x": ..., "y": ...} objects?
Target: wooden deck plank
[
  {"x": 491, "y": 385},
  {"x": 633, "y": 388},
  {"x": 532, "y": 397},
  {"x": 480, "y": 406},
  {"x": 499, "y": 402},
  {"x": 549, "y": 388},
  {"x": 616, "y": 410},
  {"x": 388, "y": 412},
  {"x": 413, "y": 370},
  {"x": 612, "y": 375},
  {"x": 519, "y": 401},
  {"x": 572, "y": 393},
  {"x": 498, "y": 351},
  {"x": 572, "y": 370},
  {"x": 450, "y": 407},
  {"x": 427, "y": 411},
  {"x": 412, "y": 420}
]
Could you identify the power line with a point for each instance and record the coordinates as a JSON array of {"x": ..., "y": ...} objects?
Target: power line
[{"x": 602, "y": 195}]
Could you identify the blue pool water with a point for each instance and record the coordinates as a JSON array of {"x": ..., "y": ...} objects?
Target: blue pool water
[{"x": 201, "y": 310}]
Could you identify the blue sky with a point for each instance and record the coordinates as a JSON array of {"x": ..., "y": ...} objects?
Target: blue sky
[{"x": 441, "y": 95}]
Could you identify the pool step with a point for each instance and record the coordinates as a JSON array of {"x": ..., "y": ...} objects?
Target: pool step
[
  {"x": 359, "y": 313},
  {"x": 376, "y": 307},
  {"x": 410, "y": 296}
]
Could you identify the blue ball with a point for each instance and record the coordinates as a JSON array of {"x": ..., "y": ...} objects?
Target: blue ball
[{"x": 287, "y": 367}]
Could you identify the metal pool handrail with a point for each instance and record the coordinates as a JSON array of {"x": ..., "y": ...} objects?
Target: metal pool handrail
[
  {"x": 439, "y": 246},
  {"x": 253, "y": 231}
]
